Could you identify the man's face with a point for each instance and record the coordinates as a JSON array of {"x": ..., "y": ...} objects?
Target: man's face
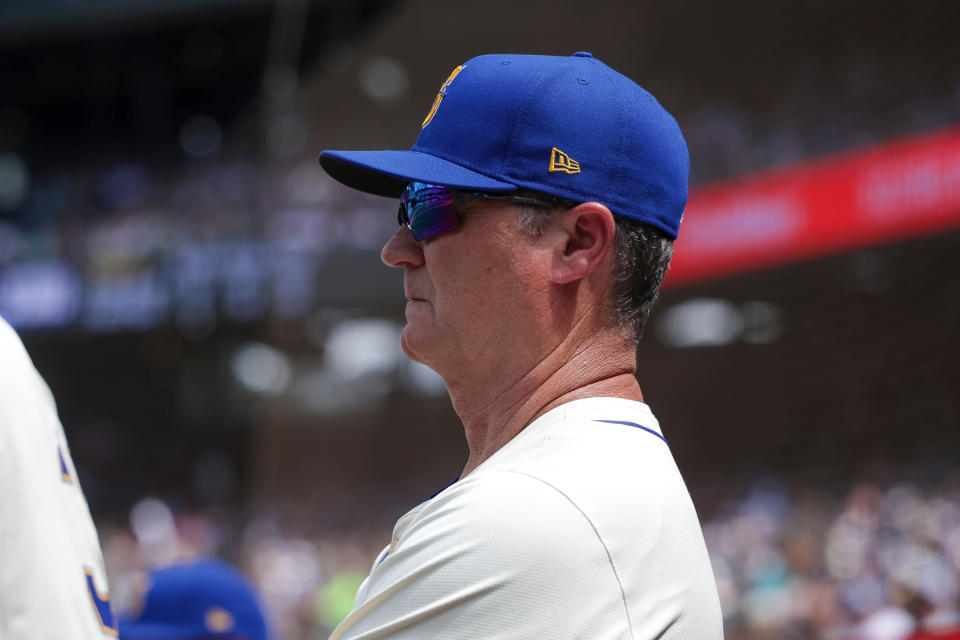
[{"x": 473, "y": 293}]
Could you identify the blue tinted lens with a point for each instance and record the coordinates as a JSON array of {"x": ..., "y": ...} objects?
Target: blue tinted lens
[{"x": 429, "y": 210}]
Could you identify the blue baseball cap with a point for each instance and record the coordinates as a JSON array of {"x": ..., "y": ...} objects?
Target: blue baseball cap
[
  {"x": 197, "y": 600},
  {"x": 567, "y": 126}
]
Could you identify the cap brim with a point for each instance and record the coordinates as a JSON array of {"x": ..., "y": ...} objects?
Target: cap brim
[{"x": 386, "y": 173}]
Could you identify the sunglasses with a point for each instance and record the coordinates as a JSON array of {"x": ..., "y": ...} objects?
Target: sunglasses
[{"x": 430, "y": 210}]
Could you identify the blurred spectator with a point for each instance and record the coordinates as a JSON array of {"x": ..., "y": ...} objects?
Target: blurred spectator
[{"x": 200, "y": 599}]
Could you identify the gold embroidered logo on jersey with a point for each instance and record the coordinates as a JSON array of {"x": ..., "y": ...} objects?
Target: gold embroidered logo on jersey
[
  {"x": 440, "y": 95},
  {"x": 101, "y": 606},
  {"x": 559, "y": 161},
  {"x": 64, "y": 469}
]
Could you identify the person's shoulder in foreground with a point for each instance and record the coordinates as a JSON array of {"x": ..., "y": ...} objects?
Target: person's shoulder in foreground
[
  {"x": 538, "y": 208},
  {"x": 199, "y": 599},
  {"x": 580, "y": 527},
  {"x": 53, "y": 582}
]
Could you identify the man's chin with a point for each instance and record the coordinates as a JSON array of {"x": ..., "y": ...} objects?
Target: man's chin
[{"x": 407, "y": 347}]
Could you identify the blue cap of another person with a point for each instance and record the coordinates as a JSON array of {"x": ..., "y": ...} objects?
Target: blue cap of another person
[
  {"x": 569, "y": 126},
  {"x": 197, "y": 600}
]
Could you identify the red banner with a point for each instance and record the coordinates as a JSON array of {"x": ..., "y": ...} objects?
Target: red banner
[{"x": 895, "y": 191}]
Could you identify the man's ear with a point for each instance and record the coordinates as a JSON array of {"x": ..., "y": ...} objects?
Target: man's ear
[{"x": 585, "y": 236}]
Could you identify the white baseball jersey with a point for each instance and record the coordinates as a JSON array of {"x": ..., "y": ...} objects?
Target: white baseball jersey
[
  {"x": 579, "y": 527},
  {"x": 53, "y": 584}
]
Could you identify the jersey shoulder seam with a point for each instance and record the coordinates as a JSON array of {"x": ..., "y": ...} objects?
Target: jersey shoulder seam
[{"x": 593, "y": 527}]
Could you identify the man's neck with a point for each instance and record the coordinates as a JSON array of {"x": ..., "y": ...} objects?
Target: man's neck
[{"x": 495, "y": 410}]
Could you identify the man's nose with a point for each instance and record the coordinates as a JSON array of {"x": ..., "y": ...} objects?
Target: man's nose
[{"x": 401, "y": 250}]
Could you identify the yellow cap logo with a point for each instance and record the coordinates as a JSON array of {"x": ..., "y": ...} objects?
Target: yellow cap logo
[
  {"x": 559, "y": 161},
  {"x": 440, "y": 94},
  {"x": 218, "y": 620}
]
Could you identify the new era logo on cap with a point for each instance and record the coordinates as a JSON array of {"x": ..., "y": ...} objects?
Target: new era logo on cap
[{"x": 559, "y": 161}]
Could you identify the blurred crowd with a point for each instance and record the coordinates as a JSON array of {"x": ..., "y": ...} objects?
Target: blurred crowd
[
  {"x": 868, "y": 563},
  {"x": 827, "y": 106},
  {"x": 129, "y": 244},
  {"x": 307, "y": 574},
  {"x": 873, "y": 564},
  {"x": 126, "y": 248}
]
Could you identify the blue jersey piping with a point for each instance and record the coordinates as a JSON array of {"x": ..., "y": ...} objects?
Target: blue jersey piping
[{"x": 634, "y": 424}]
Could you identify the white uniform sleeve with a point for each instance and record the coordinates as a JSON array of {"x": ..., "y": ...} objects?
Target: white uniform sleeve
[
  {"x": 501, "y": 555},
  {"x": 52, "y": 579}
]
